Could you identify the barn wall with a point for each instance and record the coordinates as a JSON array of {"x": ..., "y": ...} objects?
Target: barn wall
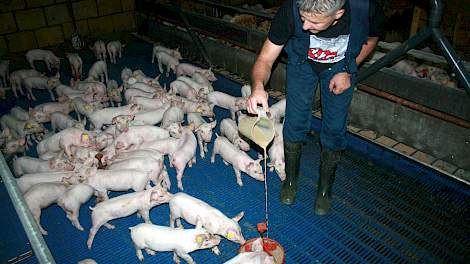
[{"x": 28, "y": 24}]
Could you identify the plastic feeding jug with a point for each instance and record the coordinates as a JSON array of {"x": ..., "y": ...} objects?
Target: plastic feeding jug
[{"x": 259, "y": 129}]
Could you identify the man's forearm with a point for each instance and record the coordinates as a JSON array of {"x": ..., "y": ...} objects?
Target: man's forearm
[
  {"x": 367, "y": 49},
  {"x": 260, "y": 74}
]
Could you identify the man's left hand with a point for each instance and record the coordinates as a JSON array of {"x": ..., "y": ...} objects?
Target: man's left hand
[{"x": 340, "y": 82}]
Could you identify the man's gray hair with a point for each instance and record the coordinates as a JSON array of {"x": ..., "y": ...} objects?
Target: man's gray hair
[{"x": 324, "y": 7}]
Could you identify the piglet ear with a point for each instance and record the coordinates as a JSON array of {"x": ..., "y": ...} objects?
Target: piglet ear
[{"x": 238, "y": 216}]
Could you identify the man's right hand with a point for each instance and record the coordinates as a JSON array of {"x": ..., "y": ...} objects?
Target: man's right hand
[{"x": 258, "y": 96}]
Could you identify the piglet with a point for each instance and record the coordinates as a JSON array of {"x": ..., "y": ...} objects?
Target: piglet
[
  {"x": 125, "y": 205},
  {"x": 71, "y": 201},
  {"x": 278, "y": 110},
  {"x": 191, "y": 209},
  {"x": 98, "y": 72},
  {"x": 26, "y": 165},
  {"x": 16, "y": 80},
  {"x": 229, "y": 129},
  {"x": 19, "y": 113},
  {"x": 51, "y": 60},
  {"x": 174, "y": 114},
  {"x": 105, "y": 116},
  {"x": 155, "y": 238},
  {"x": 99, "y": 49},
  {"x": 135, "y": 136},
  {"x": 239, "y": 160},
  {"x": 41, "y": 196},
  {"x": 114, "y": 92},
  {"x": 61, "y": 121},
  {"x": 166, "y": 59},
  {"x": 276, "y": 153},
  {"x": 203, "y": 131},
  {"x": 253, "y": 255},
  {"x": 41, "y": 82},
  {"x": 173, "y": 52},
  {"x": 226, "y": 101},
  {"x": 126, "y": 73},
  {"x": 153, "y": 166},
  {"x": 105, "y": 180},
  {"x": 64, "y": 140},
  {"x": 75, "y": 64},
  {"x": 246, "y": 90},
  {"x": 26, "y": 181},
  {"x": 115, "y": 49},
  {"x": 186, "y": 154}
]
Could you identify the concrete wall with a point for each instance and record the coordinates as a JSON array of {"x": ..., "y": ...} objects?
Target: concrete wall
[{"x": 27, "y": 24}]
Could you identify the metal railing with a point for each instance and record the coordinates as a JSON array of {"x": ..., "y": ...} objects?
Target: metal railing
[
  {"x": 42, "y": 252},
  {"x": 432, "y": 30}
]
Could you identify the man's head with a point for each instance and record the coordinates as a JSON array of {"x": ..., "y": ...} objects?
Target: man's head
[{"x": 318, "y": 15}]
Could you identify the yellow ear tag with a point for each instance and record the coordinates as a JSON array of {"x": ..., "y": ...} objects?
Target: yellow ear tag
[
  {"x": 230, "y": 235},
  {"x": 85, "y": 137},
  {"x": 87, "y": 107},
  {"x": 199, "y": 109},
  {"x": 28, "y": 125},
  {"x": 199, "y": 239}
]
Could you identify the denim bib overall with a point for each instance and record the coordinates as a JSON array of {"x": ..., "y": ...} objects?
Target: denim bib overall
[{"x": 302, "y": 82}]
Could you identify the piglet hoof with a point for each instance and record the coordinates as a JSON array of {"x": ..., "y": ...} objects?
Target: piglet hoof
[
  {"x": 150, "y": 252},
  {"x": 216, "y": 250},
  {"x": 240, "y": 183},
  {"x": 44, "y": 232},
  {"x": 180, "y": 186},
  {"x": 109, "y": 226}
]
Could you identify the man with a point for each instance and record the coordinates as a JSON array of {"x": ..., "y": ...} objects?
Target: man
[{"x": 325, "y": 40}]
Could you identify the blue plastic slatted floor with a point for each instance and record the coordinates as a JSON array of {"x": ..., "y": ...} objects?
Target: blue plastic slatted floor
[{"x": 387, "y": 209}]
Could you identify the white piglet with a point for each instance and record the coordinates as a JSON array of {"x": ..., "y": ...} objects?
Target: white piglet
[
  {"x": 41, "y": 196},
  {"x": 51, "y": 60},
  {"x": 115, "y": 50},
  {"x": 99, "y": 49},
  {"x": 155, "y": 238},
  {"x": 125, "y": 205},
  {"x": 226, "y": 101},
  {"x": 75, "y": 64},
  {"x": 229, "y": 129},
  {"x": 240, "y": 160},
  {"x": 166, "y": 59},
  {"x": 98, "y": 72},
  {"x": 191, "y": 209},
  {"x": 203, "y": 131},
  {"x": 71, "y": 201}
]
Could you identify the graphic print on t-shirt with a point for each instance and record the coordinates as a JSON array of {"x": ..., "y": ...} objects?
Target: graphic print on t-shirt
[{"x": 328, "y": 50}]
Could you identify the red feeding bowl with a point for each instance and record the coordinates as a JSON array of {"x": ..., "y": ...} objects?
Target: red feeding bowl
[{"x": 272, "y": 247}]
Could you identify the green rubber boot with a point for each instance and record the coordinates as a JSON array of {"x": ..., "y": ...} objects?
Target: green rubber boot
[
  {"x": 328, "y": 164},
  {"x": 292, "y": 153}
]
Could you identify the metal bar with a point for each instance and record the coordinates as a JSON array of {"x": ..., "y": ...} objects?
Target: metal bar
[
  {"x": 420, "y": 108},
  {"x": 194, "y": 37},
  {"x": 395, "y": 54},
  {"x": 241, "y": 10},
  {"x": 30, "y": 226},
  {"x": 452, "y": 58}
]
